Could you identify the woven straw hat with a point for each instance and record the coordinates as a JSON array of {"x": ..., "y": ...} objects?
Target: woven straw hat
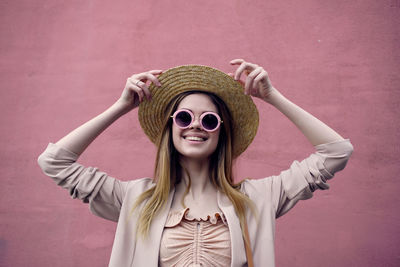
[{"x": 201, "y": 78}]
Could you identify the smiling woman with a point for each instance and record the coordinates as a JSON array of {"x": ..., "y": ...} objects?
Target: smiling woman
[{"x": 192, "y": 213}]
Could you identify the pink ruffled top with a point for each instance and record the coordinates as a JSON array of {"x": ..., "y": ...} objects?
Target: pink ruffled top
[{"x": 189, "y": 241}]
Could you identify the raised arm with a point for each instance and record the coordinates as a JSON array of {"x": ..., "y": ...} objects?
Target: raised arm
[
  {"x": 304, "y": 177},
  {"x": 315, "y": 130},
  {"x": 104, "y": 194},
  {"x": 134, "y": 92},
  {"x": 259, "y": 85}
]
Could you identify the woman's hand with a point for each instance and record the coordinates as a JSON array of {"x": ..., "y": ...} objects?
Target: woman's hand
[
  {"x": 257, "y": 81},
  {"x": 136, "y": 89}
]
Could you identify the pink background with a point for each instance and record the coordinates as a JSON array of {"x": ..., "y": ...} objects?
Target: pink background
[{"x": 64, "y": 62}]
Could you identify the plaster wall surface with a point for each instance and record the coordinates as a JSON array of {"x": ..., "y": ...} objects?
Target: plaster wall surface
[{"x": 64, "y": 62}]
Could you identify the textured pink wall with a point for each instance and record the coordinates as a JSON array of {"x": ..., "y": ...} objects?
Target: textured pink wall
[{"x": 63, "y": 62}]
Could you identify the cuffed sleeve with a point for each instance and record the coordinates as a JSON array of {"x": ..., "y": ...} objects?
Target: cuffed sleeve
[
  {"x": 304, "y": 177},
  {"x": 103, "y": 193}
]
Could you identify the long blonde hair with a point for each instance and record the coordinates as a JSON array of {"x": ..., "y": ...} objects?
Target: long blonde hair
[{"x": 168, "y": 171}]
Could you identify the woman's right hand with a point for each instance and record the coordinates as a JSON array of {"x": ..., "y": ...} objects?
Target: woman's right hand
[{"x": 136, "y": 89}]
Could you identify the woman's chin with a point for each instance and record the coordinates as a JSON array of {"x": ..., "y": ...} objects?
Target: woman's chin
[{"x": 194, "y": 155}]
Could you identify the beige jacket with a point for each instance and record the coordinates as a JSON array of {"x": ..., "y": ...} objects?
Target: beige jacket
[{"x": 112, "y": 199}]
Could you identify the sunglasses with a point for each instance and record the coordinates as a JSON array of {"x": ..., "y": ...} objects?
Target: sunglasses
[{"x": 210, "y": 121}]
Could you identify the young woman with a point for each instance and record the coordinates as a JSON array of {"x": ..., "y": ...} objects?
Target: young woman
[{"x": 191, "y": 213}]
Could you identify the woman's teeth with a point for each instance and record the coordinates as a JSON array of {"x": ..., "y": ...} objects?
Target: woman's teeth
[{"x": 194, "y": 138}]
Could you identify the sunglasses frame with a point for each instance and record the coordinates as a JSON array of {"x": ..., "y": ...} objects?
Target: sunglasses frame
[{"x": 193, "y": 118}]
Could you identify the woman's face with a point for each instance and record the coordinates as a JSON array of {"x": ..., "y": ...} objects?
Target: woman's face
[{"x": 186, "y": 140}]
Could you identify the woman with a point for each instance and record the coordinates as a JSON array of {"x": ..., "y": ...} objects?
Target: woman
[{"x": 191, "y": 213}]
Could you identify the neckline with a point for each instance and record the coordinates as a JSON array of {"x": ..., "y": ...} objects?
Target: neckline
[{"x": 176, "y": 216}]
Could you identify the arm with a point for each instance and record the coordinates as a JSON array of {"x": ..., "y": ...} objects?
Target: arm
[
  {"x": 302, "y": 178},
  {"x": 80, "y": 138},
  {"x": 259, "y": 85},
  {"x": 314, "y": 130},
  {"x": 135, "y": 91},
  {"x": 103, "y": 193}
]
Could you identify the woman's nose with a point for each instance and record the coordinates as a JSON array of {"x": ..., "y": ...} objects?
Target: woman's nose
[{"x": 196, "y": 123}]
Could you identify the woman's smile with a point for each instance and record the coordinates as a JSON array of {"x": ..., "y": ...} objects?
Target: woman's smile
[{"x": 196, "y": 138}]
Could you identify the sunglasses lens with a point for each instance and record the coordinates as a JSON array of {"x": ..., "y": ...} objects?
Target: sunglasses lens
[
  {"x": 209, "y": 122},
  {"x": 183, "y": 119}
]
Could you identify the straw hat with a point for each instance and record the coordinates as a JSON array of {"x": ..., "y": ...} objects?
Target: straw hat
[{"x": 201, "y": 78}]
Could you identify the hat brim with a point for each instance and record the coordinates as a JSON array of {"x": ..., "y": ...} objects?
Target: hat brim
[{"x": 201, "y": 78}]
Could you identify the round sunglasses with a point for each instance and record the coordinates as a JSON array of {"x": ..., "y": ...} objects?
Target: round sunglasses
[{"x": 210, "y": 121}]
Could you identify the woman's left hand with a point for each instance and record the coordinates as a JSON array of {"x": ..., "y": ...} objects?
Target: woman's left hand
[{"x": 257, "y": 81}]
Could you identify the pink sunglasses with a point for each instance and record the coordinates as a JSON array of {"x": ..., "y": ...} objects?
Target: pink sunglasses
[{"x": 210, "y": 121}]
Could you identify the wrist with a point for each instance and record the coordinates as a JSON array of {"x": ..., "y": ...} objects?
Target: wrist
[
  {"x": 119, "y": 108},
  {"x": 273, "y": 97}
]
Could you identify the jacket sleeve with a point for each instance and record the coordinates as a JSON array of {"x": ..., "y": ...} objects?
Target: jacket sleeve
[
  {"x": 303, "y": 178},
  {"x": 103, "y": 193}
]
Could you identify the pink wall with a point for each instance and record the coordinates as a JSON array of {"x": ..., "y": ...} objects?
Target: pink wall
[{"x": 63, "y": 62}]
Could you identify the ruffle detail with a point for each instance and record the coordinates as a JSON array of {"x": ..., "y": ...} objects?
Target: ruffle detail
[{"x": 175, "y": 217}]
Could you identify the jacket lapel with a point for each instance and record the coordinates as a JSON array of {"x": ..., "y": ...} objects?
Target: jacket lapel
[
  {"x": 147, "y": 251},
  {"x": 237, "y": 245}
]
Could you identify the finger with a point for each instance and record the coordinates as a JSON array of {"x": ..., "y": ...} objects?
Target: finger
[
  {"x": 145, "y": 89},
  {"x": 153, "y": 78},
  {"x": 136, "y": 89},
  {"x": 248, "y": 67},
  {"x": 263, "y": 75},
  {"x": 236, "y": 61},
  {"x": 249, "y": 80},
  {"x": 241, "y": 68},
  {"x": 142, "y": 76},
  {"x": 233, "y": 75},
  {"x": 139, "y": 93},
  {"x": 239, "y": 71}
]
